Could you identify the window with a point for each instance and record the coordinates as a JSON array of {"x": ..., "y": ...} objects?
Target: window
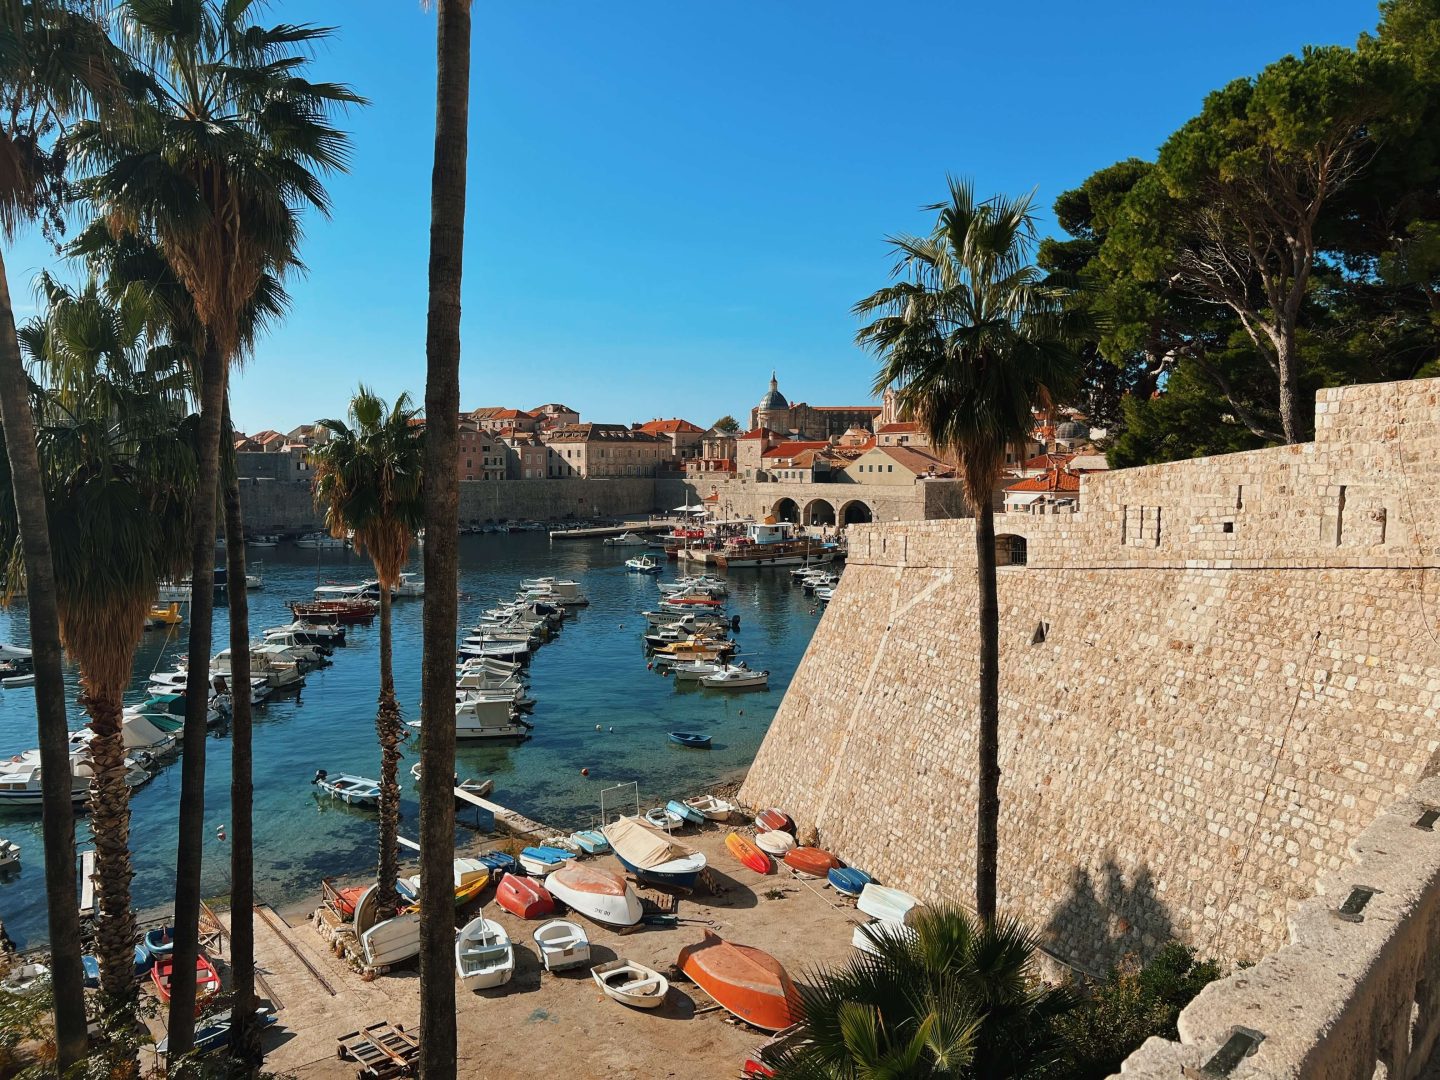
[{"x": 889, "y": 468}]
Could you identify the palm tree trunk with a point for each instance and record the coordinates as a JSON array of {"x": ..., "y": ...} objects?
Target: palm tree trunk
[
  {"x": 442, "y": 439},
  {"x": 987, "y": 813},
  {"x": 58, "y": 822},
  {"x": 245, "y": 1047},
  {"x": 189, "y": 851},
  {"x": 110, "y": 823},
  {"x": 387, "y": 727}
]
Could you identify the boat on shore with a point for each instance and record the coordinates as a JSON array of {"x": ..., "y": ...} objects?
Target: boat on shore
[
  {"x": 811, "y": 861},
  {"x": 713, "y": 807},
  {"x": 562, "y": 945},
  {"x": 207, "y": 980},
  {"x": 392, "y": 941},
  {"x": 747, "y": 982},
  {"x": 599, "y": 894},
  {"x": 539, "y": 861},
  {"x": 653, "y": 855},
  {"x": 750, "y": 856},
  {"x": 631, "y": 984},
  {"x": 484, "y": 956},
  {"x": 524, "y": 897}
]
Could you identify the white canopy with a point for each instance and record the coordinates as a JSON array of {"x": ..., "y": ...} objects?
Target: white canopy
[
  {"x": 689, "y": 509},
  {"x": 642, "y": 844}
]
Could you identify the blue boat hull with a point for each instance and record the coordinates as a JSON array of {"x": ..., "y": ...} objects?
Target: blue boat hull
[
  {"x": 680, "y": 881},
  {"x": 848, "y": 880},
  {"x": 500, "y": 863},
  {"x": 696, "y": 741},
  {"x": 688, "y": 813}
]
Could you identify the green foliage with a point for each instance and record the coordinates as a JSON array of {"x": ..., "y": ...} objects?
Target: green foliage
[
  {"x": 727, "y": 424},
  {"x": 1132, "y": 1004},
  {"x": 952, "y": 998}
]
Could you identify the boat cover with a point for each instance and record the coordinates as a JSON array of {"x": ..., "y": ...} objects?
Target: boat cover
[{"x": 642, "y": 845}]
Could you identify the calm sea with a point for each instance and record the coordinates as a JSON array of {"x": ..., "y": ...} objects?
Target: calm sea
[{"x": 593, "y": 673}]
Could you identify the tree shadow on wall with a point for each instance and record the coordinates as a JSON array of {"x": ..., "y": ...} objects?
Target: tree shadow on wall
[{"x": 1105, "y": 915}]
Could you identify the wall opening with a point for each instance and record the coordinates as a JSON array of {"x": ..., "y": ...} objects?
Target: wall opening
[
  {"x": 856, "y": 512},
  {"x": 1340, "y": 517},
  {"x": 819, "y": 512},
  {"x": 1011, "y": 550},
  {"x": 786, "y": 510},
  {"x": 1042, "y": 631}
]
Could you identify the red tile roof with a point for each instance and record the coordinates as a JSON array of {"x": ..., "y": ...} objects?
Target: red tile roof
[
  {"x": 793, "y": 449},
  {"x": 670, "y": 427},
  {"x": 899, "y": 429},
  {"x": 1047, "y": 461},
  {"x": 760, "y": 433},
  {"x": 917, "y": 461},
  {"x": 1056, "y": 480}
]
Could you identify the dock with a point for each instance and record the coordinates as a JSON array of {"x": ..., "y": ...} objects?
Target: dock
[
  {"x": 88, "y": 904},
  {"x": 506, "y": 820},
  {"x": 599, "y": 531}
]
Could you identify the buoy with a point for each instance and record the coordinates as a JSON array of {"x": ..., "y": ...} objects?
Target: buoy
[
  {"x": 742, "y": 712},
  {"x": 584, "y": 772},
  {"x": 650, "y": 666},
  {"x": 220, "y": 833},
  {"x": 597, "y": 727},
  {"x": 612, "y": 730}
]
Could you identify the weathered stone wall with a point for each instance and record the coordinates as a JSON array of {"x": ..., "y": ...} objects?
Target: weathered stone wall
[
  {"x": 278, "y": 507},
  {"x": 886, "y": 502},
  {"x": 1213, "y": 677}
]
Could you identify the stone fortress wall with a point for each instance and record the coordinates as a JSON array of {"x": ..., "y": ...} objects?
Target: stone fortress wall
[{"x": 1214, "y": 676}]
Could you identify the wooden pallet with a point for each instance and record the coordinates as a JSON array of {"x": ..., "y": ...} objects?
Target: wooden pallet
[{"x": 381, "y": 1050}]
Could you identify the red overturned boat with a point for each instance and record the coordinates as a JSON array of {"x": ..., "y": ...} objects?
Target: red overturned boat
[
  {"x": 524, "y": 897},
  {"x": 746, "y": 981},
  {"x": 773, "y": 820},
  {"x": 814, "y": 861},
  {"x": 207, "y": 980}
]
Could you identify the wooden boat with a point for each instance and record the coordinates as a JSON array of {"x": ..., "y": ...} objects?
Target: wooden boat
[
  {"x": 883, "y": 902},
  {"x": 207, "y": 979},
  {"x": 392, "y": 941},
  {"x": 354, "y": 790},
  {"x": 591, "y": 841},
  {"x": 773, "y": 820},
  {"x": 746, "y": 981},
  {"x": 160, "y": 942},
  {"x": 653, "y": 855},
  {"x": 631, "y": 984},
  {"x": 713, "y": 808},
  {"x": 691, "y": 739},
  {"x": 848, "y": 880},
  {"x": 484, "y": 956},
  {"x": 685, "y": 813},
  {"x": 214, "y": 1033},
  {"x": 749, "y": 855},
  {"x": 775, "y": 843},
  {"x": 524, "y": 897},
  {"x": 811, "y": 861},
  {"x": 539, "y": 861},
  {"x": 339, "y": 611},
  {"x": 562, "y": 945},
  {"x": 596, "y": 893}
]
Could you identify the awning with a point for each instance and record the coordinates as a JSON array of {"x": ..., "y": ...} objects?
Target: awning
[
  {"x": 690, "y": 508},
  {"x": 1023, "y": 498}
]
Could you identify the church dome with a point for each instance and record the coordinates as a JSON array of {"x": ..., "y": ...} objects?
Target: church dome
[
  {"x": 1071, "y": 430},
  {"x": 773, "y": 401}
]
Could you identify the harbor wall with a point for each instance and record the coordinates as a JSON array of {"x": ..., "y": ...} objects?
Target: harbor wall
[
  {"x": 921, "y": 501},
  {"x": 278, "y": 506},
  {"x": 1214, "y": 676}
]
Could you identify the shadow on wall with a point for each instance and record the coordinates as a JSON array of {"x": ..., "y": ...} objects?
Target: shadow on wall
[{"x": 1107, "y": 915}]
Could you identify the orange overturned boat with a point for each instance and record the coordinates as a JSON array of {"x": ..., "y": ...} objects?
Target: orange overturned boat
[
  {"x": 814, "y": 861},
  {"x": 745, "y": 981},
  {"x": 749, "y": 855},
  {"x": 774, "y": 820},
  {"x": 524, "y": 898}
]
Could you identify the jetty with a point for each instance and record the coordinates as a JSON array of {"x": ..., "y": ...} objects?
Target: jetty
[{"x": 595, "y": 532}]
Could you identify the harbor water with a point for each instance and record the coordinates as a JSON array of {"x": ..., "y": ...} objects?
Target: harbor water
[{"x": 593, "y": 674}]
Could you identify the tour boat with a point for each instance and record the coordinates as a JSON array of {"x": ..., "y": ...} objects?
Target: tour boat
[
  {"x": 775, "y": 843},
  {"x": 590, "y": 841},
  {"x": 484, "y": 956},
  {"x": 774, "y": 820},
  {"x": 885, "y": 903},
  {"x": 207, "y": 979},
  {"x": 643, "y": 564},
  {"x": 631, "y": 984},
  {"x": 562, "y": 945},
  {"x": 625, "y": 539},
  {"x": 663, "y": 818},
  {"x": 690, "y": 738},
  {"x": 811, "y": 861},
  {"x": 341, "y": 611},
  {"x": 9, "y": 854},
  {"x": 736, "y": 678},
  {"x": 848, "y": 880},
  {"x": 653, "y": 855},
  {"x": 524, "y": 897},
  {"x": 749, "y": 855},
  {"x": 714, "y": 809},
  {"x": 596, "y": 893},
  {"x": 392, "y": 941},
  {"x": 747, "y": 982},
  {"x": 539, "y": 861},
  {"x": 335, "y": 591},
  {"x": 355, "y": 790},
  {"x": 20, "y": 779}
]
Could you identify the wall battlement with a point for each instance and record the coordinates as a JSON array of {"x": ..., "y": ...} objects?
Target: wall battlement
[{"x": 1213, "y": 677}]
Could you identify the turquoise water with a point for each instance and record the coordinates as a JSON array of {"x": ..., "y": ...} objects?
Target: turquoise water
[{"x": 593, "y": 672}]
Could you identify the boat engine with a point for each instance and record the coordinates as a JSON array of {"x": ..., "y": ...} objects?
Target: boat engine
[{"x": 320, "y": 775}]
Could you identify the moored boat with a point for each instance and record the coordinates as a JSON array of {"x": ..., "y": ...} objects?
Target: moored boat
[
  {"x": 691, "y": 739},
  {"x": 9, "y": 854},
  {"x": 524, "y": 897},
  {"x": 747, "y": 982},
  {"x": 631, "y": 984},
  {"x": 484, "y": 956},
  {"x": 736, "y": 678},
  {"x": 749, "y": 855},
  {"x": 596, "y": 893},
  {"x": 354, "y": 790}
]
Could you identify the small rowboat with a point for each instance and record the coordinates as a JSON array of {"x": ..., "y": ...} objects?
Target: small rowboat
[
  {"x": 749, "y": 855},
  {"x": 523, "y": 897},
  {"x": 484, "y": 957},
  {"x": 662, "y": 818},
  {"x": 591, "y": 841},
  {"x": 746, "y": 981},
  {"x": 811, "y": 861},
  {"x": 596, "y": 893},
  {"x": 887, "y": 904},
  {"x": 685, "y": 813},
  {"x": 773, "y": 820},
  {"x": 848, "y": 880},
  {"x": 539, "y": 861},
  {"x": 691, "y": 739},
  {"x": 160, "y": 942},
  {"x": 713, "y": 808},
  {"x": 355, "y": 790},
  {"x": 631, "y": 984},
  {"x": 562, "y": 945},
  {"x": 776, "y": 843},
  {"x": 207, "y": 980}
]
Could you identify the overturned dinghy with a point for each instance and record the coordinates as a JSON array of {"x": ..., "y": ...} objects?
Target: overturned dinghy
[
  {"x": 599, "y": 894},
  {"x": 392, "y": 941}
]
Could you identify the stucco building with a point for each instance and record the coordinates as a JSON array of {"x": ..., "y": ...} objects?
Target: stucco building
[
  {"x": 804, "y": 421},
  {"x": 604, "y": 450}
]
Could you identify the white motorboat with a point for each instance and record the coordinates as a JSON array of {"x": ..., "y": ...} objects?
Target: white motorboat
[
  {"x": 643, "y": 564},
  {"x": 409, "y": 585},
  {"x": 14, "y": 652},
  {"x": 885, "y": 903},
  {"x": 499, "y": 650},
  {"x": 320, "y": 541},
  {"x": 513, "y": 695},
  {"x": 736, "y": 678},
  {"x": 16, "y": 682},
  {"x": 308, "y": 652},
  {"x": 625, "y": 539},
  {"x": 355, "y": 790},
  {"x": 553, "y": 591},
  {"x": 562, "y": 945},
  {"x": 695, "y": 670},
  {"x": 663, "y": 818},
  {"x": 20, "y": 779},
  {"x": 392, "y": 941},
  {"x": 263, "y": 540},
  {"x": 497, "y": 632},
  {"x": 484, "y": 956},
  {"x": 329, "y": 635},
  {"x": 335, "y": 591},
  {"x": 488, "y": 663},
  {"x": 714, "y": 809},
  {"x": 275, "y": 664},
  {"x": 487, "y": 718},
  {"x": 689, "y": 620},
  {"x": 9, "y": 854},
  {"x": 774, "y": 843},
  {"x": 482, "y": 679},
  {"x": 596, "y": 893},
  {"x": 631, "y": 984}
]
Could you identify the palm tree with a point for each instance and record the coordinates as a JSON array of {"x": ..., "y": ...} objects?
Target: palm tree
[
  {"x": 442, "y": 526},
  {"x": 55, "y": 62},
  {"x": 944, "y": 998},
  {"x": 114, "y": 440},
  {"x": 368, "y": 477},
  {"x": 973, "y": 340},
  {"x": 223, "y": 148}
]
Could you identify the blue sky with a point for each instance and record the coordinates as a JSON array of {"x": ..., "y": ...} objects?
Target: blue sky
[{"x": 669, "y": 199}]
